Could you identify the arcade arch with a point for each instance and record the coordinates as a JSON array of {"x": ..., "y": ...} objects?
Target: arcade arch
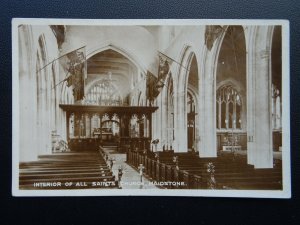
[
  {"x": 231, "y": 91},
  {"x": 186, "y": 122}
]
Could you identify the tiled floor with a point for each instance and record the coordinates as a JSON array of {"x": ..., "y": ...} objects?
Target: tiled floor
[{"x": 131, "y": 178}]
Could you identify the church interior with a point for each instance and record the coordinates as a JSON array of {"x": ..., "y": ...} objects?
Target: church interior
[{"x": 181, "y": 107}]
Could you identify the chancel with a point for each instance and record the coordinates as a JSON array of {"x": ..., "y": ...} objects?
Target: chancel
[{"x": 165, "y": 106}]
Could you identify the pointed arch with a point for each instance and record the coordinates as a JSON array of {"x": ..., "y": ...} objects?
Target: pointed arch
[
  {"x": 126, "y": 53},
  {"x": 184, "y": 73}
]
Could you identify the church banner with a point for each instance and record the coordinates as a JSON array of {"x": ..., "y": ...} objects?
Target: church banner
[
  {"x": 155, "y": 83},
  {"x": 74, "y": 63}
]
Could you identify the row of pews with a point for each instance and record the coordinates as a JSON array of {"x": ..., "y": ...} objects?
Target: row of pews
[
  {"x": 69, "y": 170},
  {"x": 188, "y": 171}
]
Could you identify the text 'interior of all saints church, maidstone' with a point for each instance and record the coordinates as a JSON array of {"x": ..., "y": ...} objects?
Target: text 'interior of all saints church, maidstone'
[{"x": 154, "y": 106}]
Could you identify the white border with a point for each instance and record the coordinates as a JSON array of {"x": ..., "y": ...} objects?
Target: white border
[{"x": 286, "y": 170}]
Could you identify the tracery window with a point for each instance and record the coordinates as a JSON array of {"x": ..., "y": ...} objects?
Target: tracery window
[
  {"x": 229, "y": 108},
  {"x": 104, "y": 93}
]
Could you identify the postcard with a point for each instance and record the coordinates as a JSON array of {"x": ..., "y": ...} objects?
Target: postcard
[{"x": 151, "y": 108}]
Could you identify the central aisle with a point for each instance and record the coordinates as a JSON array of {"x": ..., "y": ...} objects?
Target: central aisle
[{"x": 131, "y": 178}]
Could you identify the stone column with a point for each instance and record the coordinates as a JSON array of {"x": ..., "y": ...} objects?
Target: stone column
[
  {"x": 249, "y": 33},
  {"x": 44, "y": 132},
  {"x": 260, "y": 152},
  {"x": 164, "y": 119},
  {"x": 25, "y": 133},
  {"x": 159, "y": 122},
  {"x": 263, "y": 132},
  {"x": 180, "y": 124},
  {"x": 207, "y": 106},
  {"x": 209, "y": 136},
  {"x": 28, "y": 145}
]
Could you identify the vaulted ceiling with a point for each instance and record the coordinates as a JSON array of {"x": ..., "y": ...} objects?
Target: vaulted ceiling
[
  {"x": 107, "y": 62},
  {"x": 232, "y": 57}
]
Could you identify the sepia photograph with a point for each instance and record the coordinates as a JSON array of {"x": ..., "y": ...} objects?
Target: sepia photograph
[{"x": 151, "y": 108}]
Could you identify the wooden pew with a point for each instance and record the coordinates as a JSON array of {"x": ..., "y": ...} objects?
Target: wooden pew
[{"x": 82, "y": 168}]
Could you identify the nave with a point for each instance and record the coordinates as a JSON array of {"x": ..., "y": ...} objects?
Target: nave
[
  {"x": 131, "y": 178},
  {"x": 81, "y": 170},
  {"x": 95, "y": 170},
  {"x": 197, "y": 106}
]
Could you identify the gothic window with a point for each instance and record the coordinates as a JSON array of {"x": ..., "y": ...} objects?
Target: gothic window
[
  {"x": 229, "y": 108},
  {"x": 104, "y": 93}
]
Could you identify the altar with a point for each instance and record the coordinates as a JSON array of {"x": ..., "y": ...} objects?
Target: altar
[{"x": 232, "y": 148}]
